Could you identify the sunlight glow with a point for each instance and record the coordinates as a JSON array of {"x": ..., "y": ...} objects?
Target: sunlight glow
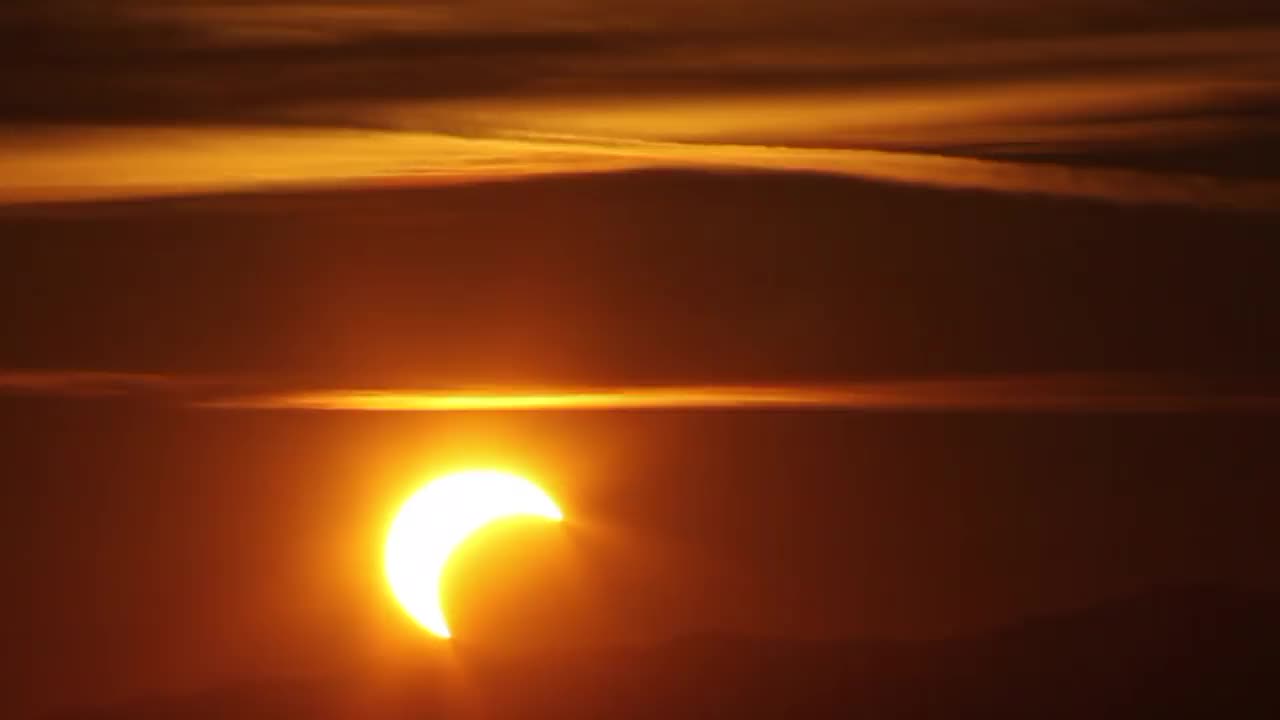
[{"x": 439, "y": 518}]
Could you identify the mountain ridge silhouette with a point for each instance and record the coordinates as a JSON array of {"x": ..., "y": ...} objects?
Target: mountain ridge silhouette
[{"x": 1174, "y": 652}]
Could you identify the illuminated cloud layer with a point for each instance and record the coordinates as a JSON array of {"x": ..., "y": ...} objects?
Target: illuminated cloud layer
[
  {"x": 1030, "y": 393},
  {"x": 200, "y": 97},
  {"x": 200, "y": 162},
  {"x": 1022, "y": 393}
]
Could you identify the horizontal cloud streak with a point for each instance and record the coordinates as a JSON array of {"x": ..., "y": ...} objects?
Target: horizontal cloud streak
[
  {"x": 185, "y": 162},
  {"x": 990, "y": 395},
  {"x": 1116, "y": 185},
  {"x": 90, "y": 383},
  {"x": 1063, "y": 392},
  {"x": 1032, "y": 393},
  {"x": 71, "y": 164}
]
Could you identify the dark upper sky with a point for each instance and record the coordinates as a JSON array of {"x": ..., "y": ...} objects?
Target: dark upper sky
[{"x": 1063, "y": 216}]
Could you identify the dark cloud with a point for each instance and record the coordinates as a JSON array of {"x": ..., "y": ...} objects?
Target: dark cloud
[
  {"x": 79, "y": 61},
  {"x": 88, "y": 383}
]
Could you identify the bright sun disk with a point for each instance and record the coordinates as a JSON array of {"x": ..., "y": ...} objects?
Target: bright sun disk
[{"x": 441, "y": 516}]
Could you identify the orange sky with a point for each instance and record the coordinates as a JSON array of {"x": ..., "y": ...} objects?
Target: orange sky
[
  {"x": 950, "y": 109},
  {"x": 831, "y": 318}
]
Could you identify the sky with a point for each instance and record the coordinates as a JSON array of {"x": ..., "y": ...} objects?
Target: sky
[
  {"x": 879, "y": 320},
  {"x": 128, "y": 98}
]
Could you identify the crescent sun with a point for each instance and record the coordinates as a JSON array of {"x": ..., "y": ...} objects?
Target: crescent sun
[{"x": 443, "y": 515}]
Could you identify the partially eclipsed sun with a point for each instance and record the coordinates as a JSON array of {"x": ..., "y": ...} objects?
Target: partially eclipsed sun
[{"x": 439, "y": 518}]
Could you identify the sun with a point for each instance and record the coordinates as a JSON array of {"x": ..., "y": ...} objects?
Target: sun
[{"x": 441, "y": 516}]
